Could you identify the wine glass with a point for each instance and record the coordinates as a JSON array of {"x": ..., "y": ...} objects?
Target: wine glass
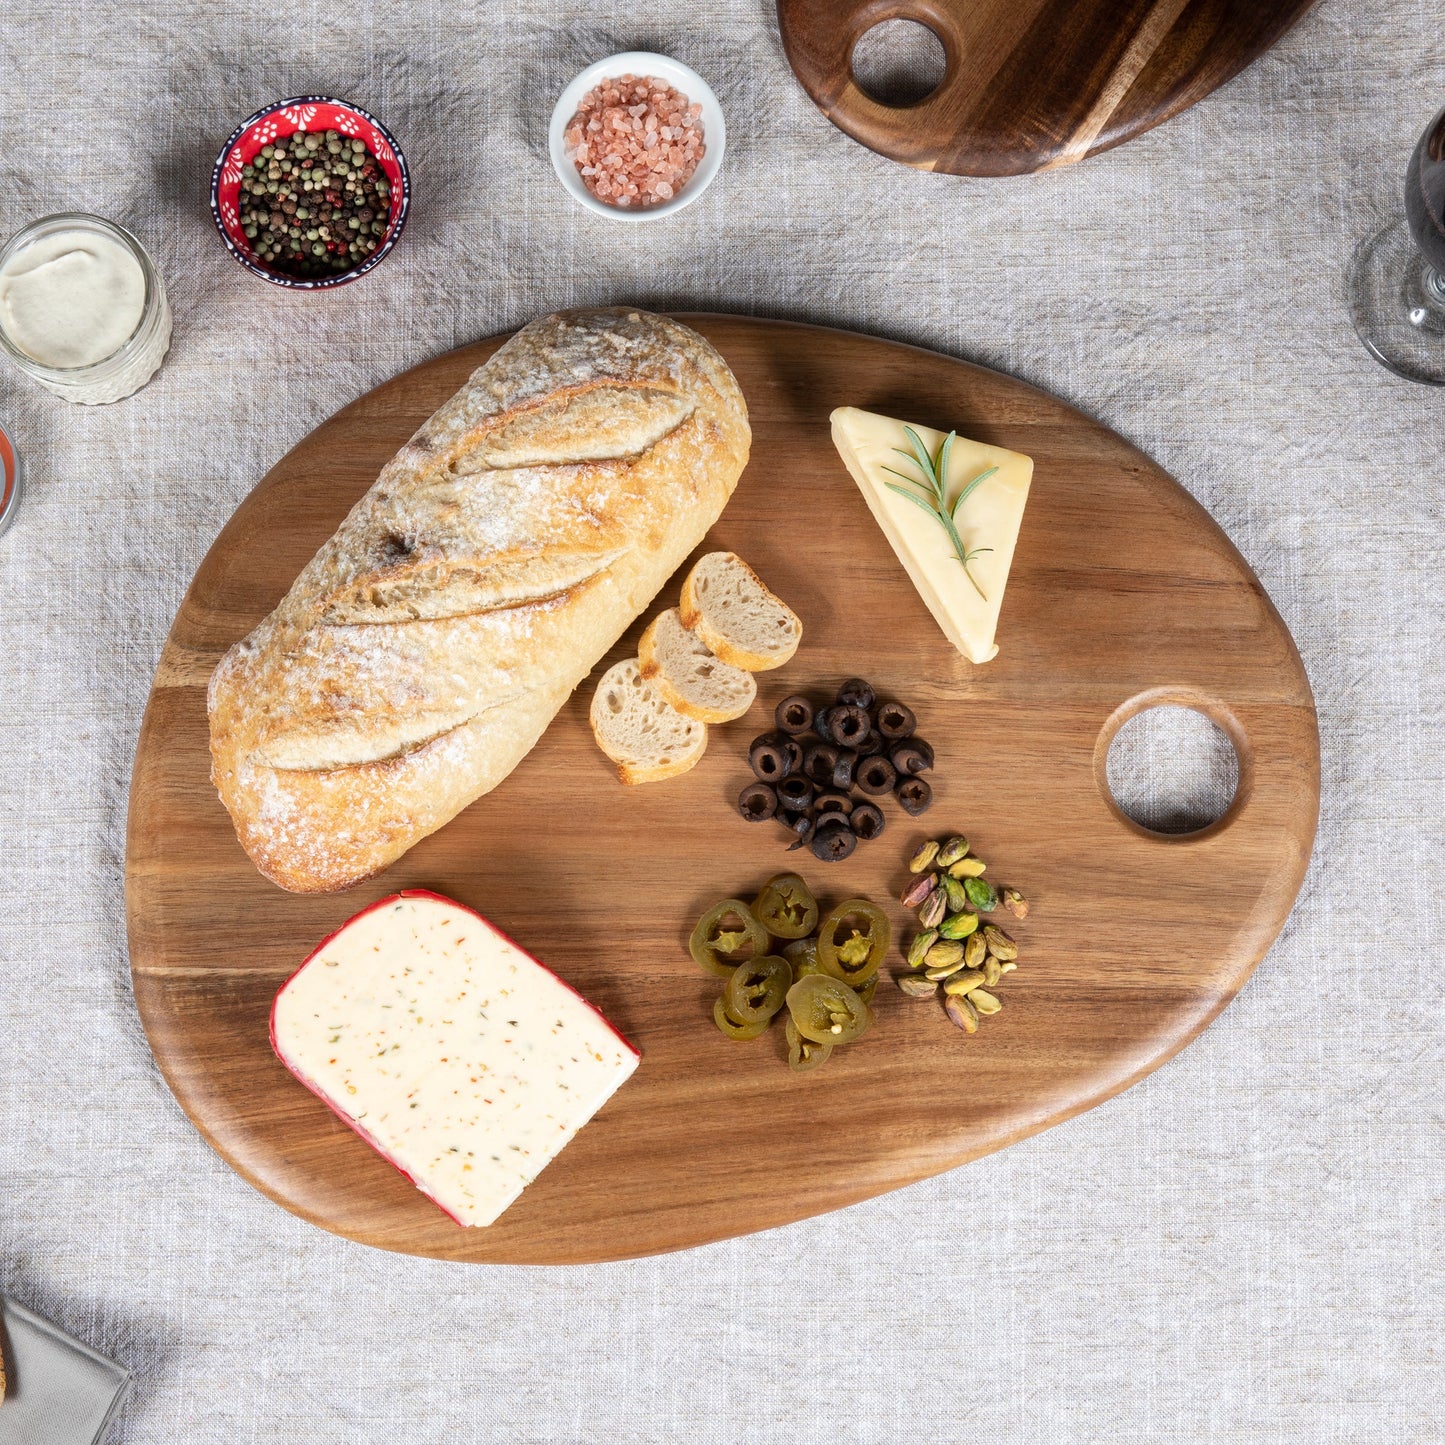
[{"x": 1397, "y": 276}]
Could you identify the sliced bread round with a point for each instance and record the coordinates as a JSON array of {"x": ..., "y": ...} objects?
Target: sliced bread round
[
  {"x": 736, "y": 616},
  {"x": 640, "y": 730},
  {"x": 689, "y": 676}
]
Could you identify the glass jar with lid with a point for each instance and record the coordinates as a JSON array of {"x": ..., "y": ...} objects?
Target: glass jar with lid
[{"x": 83, "y": 309}]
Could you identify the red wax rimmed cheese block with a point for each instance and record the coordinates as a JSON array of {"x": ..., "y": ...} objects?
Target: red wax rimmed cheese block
[{"x": 452, "y": 1052}]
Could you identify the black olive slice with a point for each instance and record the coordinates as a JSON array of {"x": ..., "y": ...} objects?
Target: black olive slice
[
  {"x": 795, "y": 792},
  {"x": 867, "y": 820},
  {"x": 876, "y": 776},
  {"x": 823, "y": 724},
  {"x": 914, "y": 796},
  {"x": 839, "y": 803},
  {"x": 849, "y": 724},
  {"x": 911, "y": 756},
  {"x": 819, "y": 760},
  {"x": 769, "y": 761},
  {"x": 757, "y": 802},
  {"x": 792, "y": 750},
  {"x": 833, "y": 842},
  {"x": 896, "y": 721},
  {"x": 859, "y": 693},
  {"x": 794, "y": 714},
  {"x": 844, "y": 769},
  {"x": 801, "y": 827},
  {"x": 872, "y": 745}
]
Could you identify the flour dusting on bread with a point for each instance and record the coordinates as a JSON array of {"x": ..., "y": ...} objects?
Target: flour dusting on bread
[{"x": 422, "y": 652}]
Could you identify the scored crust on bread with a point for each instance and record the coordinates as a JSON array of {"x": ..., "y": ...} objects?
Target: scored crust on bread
[
  {"x": 686, "y": 672},
  {"x": 738, "y": 618},
  {"x": 640, "y": 730},
  {"x": 421, "y": 653}
]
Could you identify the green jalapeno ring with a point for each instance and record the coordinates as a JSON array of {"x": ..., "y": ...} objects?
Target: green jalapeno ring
[
  {"x": 757, "y": 988},
  {"x": 786, "y": 907},
  {"x": 858, "y": 957},
  {"x": 713, "y": 947},
  {"x": 804, "y": 1054},
  {"x": 865, "y": 991},
  {"x": 802, "y": 952},
  {"x": 734, "y": 1028},
  {"x": 826, "y": 1010}
]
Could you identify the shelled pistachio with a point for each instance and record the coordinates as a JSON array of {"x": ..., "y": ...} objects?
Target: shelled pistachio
[
  {"x": 958, "y": 955},
  {"x": 953, "y": 892}
]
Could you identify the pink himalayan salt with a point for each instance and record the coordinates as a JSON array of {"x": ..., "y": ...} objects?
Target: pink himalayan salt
[{"x": 635, "y": 141}]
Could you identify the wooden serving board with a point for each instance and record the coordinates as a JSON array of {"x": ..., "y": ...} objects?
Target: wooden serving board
[
  {"x": 1030, "y": 84},
  {"x": 1124, "y": 593}
]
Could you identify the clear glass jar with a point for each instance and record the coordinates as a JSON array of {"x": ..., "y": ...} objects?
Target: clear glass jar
[{"x": 138, "y": 358}]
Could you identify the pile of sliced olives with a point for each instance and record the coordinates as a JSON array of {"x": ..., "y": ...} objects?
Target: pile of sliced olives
[
  {"x": 810, "y": 770},
  {"x": 824, "y": 973}
]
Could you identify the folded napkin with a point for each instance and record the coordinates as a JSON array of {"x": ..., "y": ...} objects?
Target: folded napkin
[{"x": 57, "y": 1390}]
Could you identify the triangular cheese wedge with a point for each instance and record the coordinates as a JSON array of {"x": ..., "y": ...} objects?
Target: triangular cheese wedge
[{"x": 989, "y": 518}]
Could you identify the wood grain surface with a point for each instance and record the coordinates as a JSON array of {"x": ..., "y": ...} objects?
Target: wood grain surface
[
  {"x": 1030, "y": 83},
  {"x": 1124, "y": 593}
]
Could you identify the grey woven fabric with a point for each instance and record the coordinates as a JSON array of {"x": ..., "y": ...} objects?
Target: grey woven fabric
[{"x": 1245, "y": 1247}]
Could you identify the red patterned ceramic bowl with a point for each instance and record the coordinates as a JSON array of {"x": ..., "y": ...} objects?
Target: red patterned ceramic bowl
[{"x": 286, "y": 117}]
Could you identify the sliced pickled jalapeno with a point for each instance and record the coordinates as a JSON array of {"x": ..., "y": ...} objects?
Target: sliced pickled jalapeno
[
  {"x": 757, "y": 988},
  {"x": 802, "y": 953},
  {"x": 736, "y": 1028},
  {"x": 845, "y": 951},
  {"x": 786, "y": 908},
  {"x": 724, "y": 931},
  {"x": 778, "y": 961},
  {"x": 804, "y": 1053},
  {"x": 799, "y": 952},
  {"x": 826, "y": 1010}
]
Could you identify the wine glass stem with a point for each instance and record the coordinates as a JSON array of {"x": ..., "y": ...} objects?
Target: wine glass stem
[{"x": 1433, "y": 284}]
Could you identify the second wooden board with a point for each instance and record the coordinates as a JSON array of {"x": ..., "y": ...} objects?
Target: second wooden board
[
  {"x": 1029, "y": 84},
  {"x": 1124, "y": 594}
]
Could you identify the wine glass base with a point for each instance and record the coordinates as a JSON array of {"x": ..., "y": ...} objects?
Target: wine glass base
[{"x": 1397, "y": 302}]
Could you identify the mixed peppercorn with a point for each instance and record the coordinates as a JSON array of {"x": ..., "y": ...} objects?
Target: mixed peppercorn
[{"x": 314, "y": 204}]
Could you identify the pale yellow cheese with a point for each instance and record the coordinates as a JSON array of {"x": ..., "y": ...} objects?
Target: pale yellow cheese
[
  {"x": 451, "y": 1051},
  {"x": 989, "y": 518}
]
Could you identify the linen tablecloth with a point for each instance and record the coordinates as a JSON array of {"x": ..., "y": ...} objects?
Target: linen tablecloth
[{"x": 1245, "y": 1247}]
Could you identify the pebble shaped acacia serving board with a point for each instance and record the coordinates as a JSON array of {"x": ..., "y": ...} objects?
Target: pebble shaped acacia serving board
[
  {"x": 1124, "y": 594},
  {"x": 1030, "y": 84}
]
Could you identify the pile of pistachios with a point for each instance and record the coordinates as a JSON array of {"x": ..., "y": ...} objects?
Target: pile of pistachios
[{"x": 958, "y": 951}]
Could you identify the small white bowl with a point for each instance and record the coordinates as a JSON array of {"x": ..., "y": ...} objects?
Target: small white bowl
[{"x": 677, "y": 75}]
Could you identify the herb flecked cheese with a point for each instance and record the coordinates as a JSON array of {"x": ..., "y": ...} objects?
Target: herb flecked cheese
[
  {"x": 987, "y": 523},
  {"x": 452, "y": 1052}
]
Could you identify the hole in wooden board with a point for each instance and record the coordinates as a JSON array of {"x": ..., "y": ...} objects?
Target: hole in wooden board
[
  {"x": 1172, "y": 769},
  {"x": 899, "y": 62}
]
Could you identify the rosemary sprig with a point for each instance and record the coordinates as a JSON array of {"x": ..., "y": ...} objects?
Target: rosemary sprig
[{"x": 935, "y": 472}]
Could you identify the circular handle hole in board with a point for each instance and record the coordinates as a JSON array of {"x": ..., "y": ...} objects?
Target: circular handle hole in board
[
  {"x": 1172, "y": 769},
  {"x": 899, "y": 63}
]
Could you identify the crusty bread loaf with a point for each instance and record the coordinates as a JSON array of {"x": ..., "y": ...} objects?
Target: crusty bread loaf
[
  {"x": 424, "y": 649},
  {"x": 738, "y": 618},
  {"x": 697, "y": 683},
  {"x": 640, "y": 730}
]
